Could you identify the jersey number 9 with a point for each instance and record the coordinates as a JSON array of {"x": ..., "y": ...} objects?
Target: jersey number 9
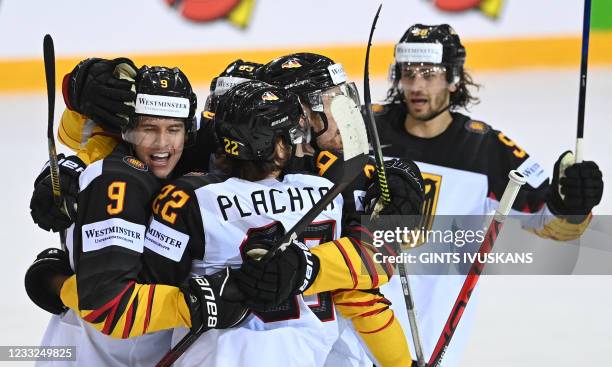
[{"x": 116, "y": 194}]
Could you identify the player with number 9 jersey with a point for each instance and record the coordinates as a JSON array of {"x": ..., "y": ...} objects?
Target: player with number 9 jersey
[{"x": 106, "y": 241}]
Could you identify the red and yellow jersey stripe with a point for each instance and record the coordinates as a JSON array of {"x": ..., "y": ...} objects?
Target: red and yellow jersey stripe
[
  {"x": 136, "y": 310},
  {"x": 376, "y": 324}
]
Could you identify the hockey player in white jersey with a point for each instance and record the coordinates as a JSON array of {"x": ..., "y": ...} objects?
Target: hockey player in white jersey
[
  {"x": 215, "y": 220},
  {"x": 465, "y": 164}
]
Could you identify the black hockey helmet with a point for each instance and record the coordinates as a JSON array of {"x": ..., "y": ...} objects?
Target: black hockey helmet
[
  {"x": 313, "y": 77},
  {"x": 236, "y": 72},
  {"x": 251, "y": 115},
  {"x": 302, "y": 72},
  {"x": 306, "y": 74},
  {"x": 430, "y": 44},
  {"x": 162, "y": 91}
]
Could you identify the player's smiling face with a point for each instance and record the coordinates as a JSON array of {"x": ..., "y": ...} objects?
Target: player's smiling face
[
  {"x": 158, "y": 142},
  {"x": 426, "y": 90}
]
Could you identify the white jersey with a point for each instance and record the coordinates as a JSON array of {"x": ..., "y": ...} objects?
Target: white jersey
[
  {"x": 435, "y": 295},
  {"x": 301, "y": 331},
  {"x": 96, "y": 349}
]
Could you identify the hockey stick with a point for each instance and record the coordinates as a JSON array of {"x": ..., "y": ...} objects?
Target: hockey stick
[
  {"x": 584, "y": 61},
  {"x": 371, "y": 124},
  {"x": 355, "y": 155},
  {"x": 386, "y": 197},
  {"x": 505, "y": 204},
  {"x": 49, "y": 58}
]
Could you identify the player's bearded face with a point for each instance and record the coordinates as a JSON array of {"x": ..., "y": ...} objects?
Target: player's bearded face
[
  {"x": 158, "y": 142},
  {"x": 425, "y": 89},
  {"x": 331, "y": 138}
]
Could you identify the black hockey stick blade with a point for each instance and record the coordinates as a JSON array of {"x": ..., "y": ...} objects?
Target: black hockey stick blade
[
  {"x": 371, "y": 124},
  {"x": 49, "y": 58},
  {"x": 584, "y": 63}
]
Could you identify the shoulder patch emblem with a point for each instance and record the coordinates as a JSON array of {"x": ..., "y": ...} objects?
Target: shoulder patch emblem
[
  {"x": 477, "y": 127},
  {"x": 135, "y": 163},
  {"x": 208, "y": 115},
  {"x": 195, "y": 173},
  {"x": 376, "y": 108}
]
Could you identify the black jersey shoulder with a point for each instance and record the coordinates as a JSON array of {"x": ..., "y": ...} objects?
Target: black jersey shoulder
[
  {"x": 330, "y": 165},
  {"x": 195, "y": 180},
  {"x": 122, "y": 165},
  {"x": 382, "y": 108},
  {"x": 389, "y": 114},
  {"x": 465, "y": 145}
]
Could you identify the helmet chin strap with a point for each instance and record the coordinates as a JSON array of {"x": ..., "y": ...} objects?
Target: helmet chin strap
[
  {"x": 439, "y": 112},
  {"x": 447, "y": 107},
  {"x": 313, "y": 140},
  {"x": 325, "y": 125}
]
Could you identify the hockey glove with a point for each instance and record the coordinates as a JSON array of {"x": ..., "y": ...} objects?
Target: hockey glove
[
  {"x": 42, "y": 207},
  {"x": 102, "y": 90},
  {"x": 267, "y": 284},
  {"x": 406, "y": 190},
  {"x": 576, "y": 187},
  {"x": 214, "y": 301},
  {"x": 49, "y": 264}
]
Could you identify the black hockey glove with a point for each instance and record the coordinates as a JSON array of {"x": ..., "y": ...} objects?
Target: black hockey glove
[
  {"x": 406, "y": 189},
  {"x": 102, "y": 90},
  {"x": 576, "y": 189},
  {"x": 267, "y": 284},
  {"x": 48, "y": 264},
  {"x": 42, "y": 207},
  {"x": 214, "y": 301}
]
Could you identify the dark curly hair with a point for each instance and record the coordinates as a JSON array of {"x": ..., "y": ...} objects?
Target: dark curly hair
[{"x": 462, "y": 97}]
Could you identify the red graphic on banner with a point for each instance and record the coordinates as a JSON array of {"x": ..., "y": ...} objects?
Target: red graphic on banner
[
  {"x": 490, "y": 8},
  {"x": 237, "y": 12}
]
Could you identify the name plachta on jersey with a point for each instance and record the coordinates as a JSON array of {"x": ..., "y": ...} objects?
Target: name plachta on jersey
[{"x": 270, "y": 201}]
